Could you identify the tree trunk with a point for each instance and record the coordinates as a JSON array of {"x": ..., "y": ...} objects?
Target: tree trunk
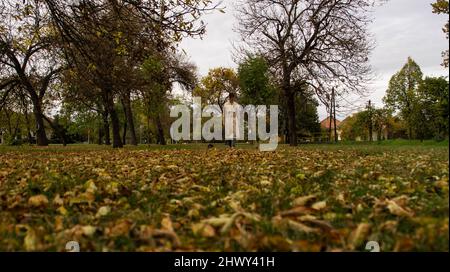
[
  {"x": 106, "y": 132},
  {"x": 291, "y": 118},
  {"x": 286, "y": 123},
  {"x": 100, "y": 129},
  {"x": 125, "y": 124},
  {"x": 27, "y": 120},
  {"x": 100, "y": 136},
  {"x": 370, "y": 121},
  {"x": 161, "y": 138},
  {"x": 149, "y": 133},
  {"x": 41, "y": 136},
  {"x": 124, "y": 133},
  {"x": 130, "y": 119},
  {"x": 117, "y": 142},
  {"x": 330, "y": 129},
  {"x": 336, "y": 136},
  {"x": 58, "y": 129}
]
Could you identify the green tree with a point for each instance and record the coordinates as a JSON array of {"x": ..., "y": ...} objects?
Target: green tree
[
  {"x": 434, "y": 96},
  {"x": 381, "y": 122},
  {"x": 107, "y": 41},
  {"x": 349, "y": 130},
  {"x": 160, "y": 72},
  {"x": 442, "y": 7},
  {"x": 357, "y": 126},
  {"x": 215, "y": 87},
  {"x": 402, "y": 93},
  {"x": 255, "y": 83},
  {"x": 308, "y": 118}
]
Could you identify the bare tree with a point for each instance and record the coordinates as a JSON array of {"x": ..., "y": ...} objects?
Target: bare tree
[
  {"x": 315, "y": 43},
  {"x": 28, "y": 57}
]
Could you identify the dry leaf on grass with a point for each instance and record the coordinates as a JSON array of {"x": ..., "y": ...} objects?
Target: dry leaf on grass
[
  {"x": 358, "y": 236},
  {"x": 38, "y": 201},
  {"x": 396, "y": 209},
  {"x": 304, "y": 200},
  {"x": 203, "y": 230}
]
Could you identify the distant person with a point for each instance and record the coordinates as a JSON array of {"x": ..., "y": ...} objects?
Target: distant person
[{"x": 231, "y": 109}]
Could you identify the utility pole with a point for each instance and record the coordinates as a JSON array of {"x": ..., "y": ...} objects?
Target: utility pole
[
  {"x": 336, "y": 138},
  {"x": 370, "y": 121},
  {"x": 331, "y": 118}
]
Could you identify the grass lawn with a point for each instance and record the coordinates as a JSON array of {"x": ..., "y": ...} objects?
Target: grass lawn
[{"x": 189, "y": 198}]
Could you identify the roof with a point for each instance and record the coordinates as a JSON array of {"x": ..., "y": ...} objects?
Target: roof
[{"x": 325, "y": 124}]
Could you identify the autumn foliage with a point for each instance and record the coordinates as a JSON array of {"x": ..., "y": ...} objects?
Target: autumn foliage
[{"x": 306, "y": 199}]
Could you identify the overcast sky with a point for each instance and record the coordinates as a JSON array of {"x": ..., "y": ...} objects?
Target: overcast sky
[{"x": 401, "y": 28}]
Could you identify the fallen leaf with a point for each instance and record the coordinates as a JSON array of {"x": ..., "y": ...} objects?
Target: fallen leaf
[
  {"x": 303, "y": 201},
  {"x": 297, "y": 211},
  {"x": 314, "y": 221},
  {"x": 319, "y": 205},
  {"x": 121, "y": 227},
  {"x": 103, "y": 211},
  {"x": 203, "y": 230},
  {"x": 62, "y": 210},
  {"x": 395, "y": 209},
  {"x": 166, "y": 224},
  {"x": 300, "y": 227},
  {"x": 58, "y": 200},
  {"x": 89, "y": 230},
  {"x": 217, "y": 222},
  {"x": 38, "y": 201},
  {"x": 59, "y": 223},
  {"x": 30, "y": 241},
  {"x": 358, "y": 236},
  {"x": 90, "y": 186}
]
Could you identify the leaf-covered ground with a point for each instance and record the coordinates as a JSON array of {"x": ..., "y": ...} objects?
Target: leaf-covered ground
[{"x": 314, "y": 198}]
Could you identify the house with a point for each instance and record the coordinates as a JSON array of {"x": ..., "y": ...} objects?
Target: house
[
  {"x": 329, "y": 122},
  {"x": 354, "y": 130}
]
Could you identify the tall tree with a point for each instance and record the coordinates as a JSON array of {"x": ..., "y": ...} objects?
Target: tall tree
[
  {"x": 79, "y": 94},
  {"x": 96, "y": 34},
  {"x": 29, "y": 57},
  {"x": 442, "y": 7},
  {"x": 380, "y": 119},
  {"x": 160, "y": 72},
  {"x": 308, "y": 120},
  {"x": 434, "y": 97},
  {"x": 255, "y": 82},
  {"x": 215, "y": 87},
  {"x": 315, "y": 43},
  {"x": 402, "y": 95}
]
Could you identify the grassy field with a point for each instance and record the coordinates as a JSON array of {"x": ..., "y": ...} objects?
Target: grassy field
[{"x": 189, "y": 198}]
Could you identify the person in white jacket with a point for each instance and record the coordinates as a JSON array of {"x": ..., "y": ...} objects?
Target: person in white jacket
[{"x": 232, "y": 116}]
